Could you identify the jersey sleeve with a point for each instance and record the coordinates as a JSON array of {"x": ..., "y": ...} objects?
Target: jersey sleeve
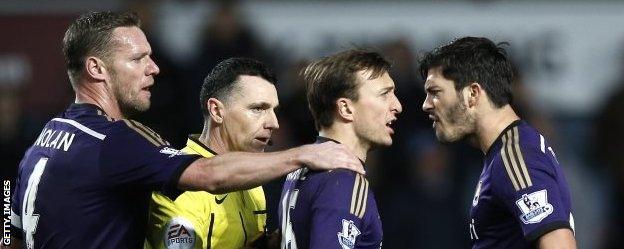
[
  {"x": 134, "y": 155},
  {"x": 533, "y": 189},
  {"x": 183, "y": 223},
  {"x": 340, "y": 212},
  {"x": 257, "y": 204}
]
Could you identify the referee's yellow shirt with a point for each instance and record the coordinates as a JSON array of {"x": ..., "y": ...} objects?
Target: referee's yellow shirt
[{"x": 198, "y": 219}]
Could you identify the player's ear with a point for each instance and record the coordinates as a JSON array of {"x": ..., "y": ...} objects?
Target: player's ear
[
  {"x": 215, "y": 110},
  {"x": 96, "y": 68},
  {"x": 475, "y": 92},
  {"x": 344, "y": 107}
]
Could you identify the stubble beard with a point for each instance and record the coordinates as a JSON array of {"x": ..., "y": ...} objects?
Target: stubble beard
[
  {"x": 460, "y": 122},
  {"x": 128, "y": 102},
  {"x": 373, "y": 138}
]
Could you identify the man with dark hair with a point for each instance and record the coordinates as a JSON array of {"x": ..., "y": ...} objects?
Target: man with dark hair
[
  {"x": 522, "y": 199},
  {"x": 238, "y": 101},
  {"x": 351, "y": 97},
  {"x": 86, "y": 181}
]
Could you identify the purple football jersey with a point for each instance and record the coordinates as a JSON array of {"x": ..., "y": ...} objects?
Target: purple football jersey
[
  {"x": 87, "y": 179},
  {"x": 328, "y": 209},
  {"x": 522, "y": 193}
]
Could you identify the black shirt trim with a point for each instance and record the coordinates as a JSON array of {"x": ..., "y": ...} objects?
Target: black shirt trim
[
  {"x": 195, "y": 138},
  {"x": 510, "y": 126},
  {"x": 533, "y": 236},
  {"x": 82, "y": 105},
  {"x": 260, "y": 212},
  {"x": 171, "y": 188},
  {"x": 321, "y": 139}
]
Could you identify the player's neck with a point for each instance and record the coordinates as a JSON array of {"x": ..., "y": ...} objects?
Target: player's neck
[
  {"x": 211, "y": 137},
  {"x": 97, "y": 94},
  {"x": 491, "y": 124},
  {"x": 346, "y": 136}
]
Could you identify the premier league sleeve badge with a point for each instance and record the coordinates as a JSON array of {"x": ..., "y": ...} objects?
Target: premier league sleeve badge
[{"x": 534, "y": 207}]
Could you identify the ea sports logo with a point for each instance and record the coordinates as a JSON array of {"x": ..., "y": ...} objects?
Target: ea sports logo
[
  {"x": 178, "y": 231},
  {"x": 179, "y": 234}
]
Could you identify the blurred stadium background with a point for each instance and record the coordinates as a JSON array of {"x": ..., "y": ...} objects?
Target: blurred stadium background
[{"x": 569, "y": 84}]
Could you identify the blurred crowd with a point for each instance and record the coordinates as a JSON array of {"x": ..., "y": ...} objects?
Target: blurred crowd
[{"x": 423, "y": 188}]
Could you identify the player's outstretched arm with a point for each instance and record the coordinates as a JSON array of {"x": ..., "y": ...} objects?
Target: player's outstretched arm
[
  {"x": 240, "y": 170},
  {"x": 557, "y": 239}
]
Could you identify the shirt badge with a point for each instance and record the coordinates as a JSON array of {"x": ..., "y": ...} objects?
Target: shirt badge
[
  {"x": 349, "y": 233},
  {"x": 534, "y": 207},
  {"x": 171, "y": 151},
  {"x": 179, "y": 234}
]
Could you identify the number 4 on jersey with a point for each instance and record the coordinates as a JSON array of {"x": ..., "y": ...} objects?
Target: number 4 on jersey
[{"x": 29, "y": 218}]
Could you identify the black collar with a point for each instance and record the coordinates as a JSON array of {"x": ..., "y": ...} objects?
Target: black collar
[
  {"x": 510, "y": 126},
  {"x": 86, "y": 106},
  {"x": 195, "y": 138},
  {"x": 321, "y": 139}
]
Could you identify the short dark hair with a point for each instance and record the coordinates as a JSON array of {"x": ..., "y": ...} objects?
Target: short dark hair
[
  {"x": 334, "y": 77},
  {"x": 474, "y": 59},
  {"x": 224, "y": 76},
  {"x": 91, "y": 34}
]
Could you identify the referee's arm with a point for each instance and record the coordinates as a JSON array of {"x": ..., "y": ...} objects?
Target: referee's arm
[{"x": 241, "y": 170}]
